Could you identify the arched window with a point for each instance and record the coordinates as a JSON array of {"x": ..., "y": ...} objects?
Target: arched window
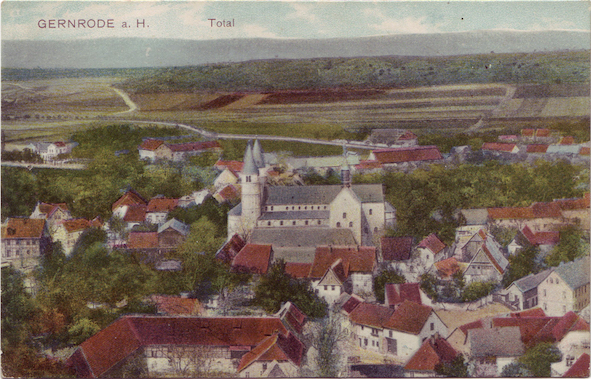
[
  {"x": 351, "y": 224},
  {"x": 338, "y": 224},
  {"x": 344, "y": 214}
]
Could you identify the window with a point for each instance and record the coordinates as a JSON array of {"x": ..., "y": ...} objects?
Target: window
[
  {"x": 326, "y": 288},
  {"x": 564, "y": 294},
  {"x": 545, "y": 306},
  {"x": 247, "y": 374},
  {"x": 373, "y": 343},
  {"x": 378, "y": 343},
  {"x": 338, "y": 224},
  {"x": 551, "y": 281},
  {"x": 332, "y": 288},
  {"x": 292, "y": 208},
  {"x": 268, "y": 223},
  {"x": 351, "y": 224},
  {"x": 557, "y": 282},
  {"x": 319, "y": 222},
  {"x": 344, "y": 214},
  {"x": 299, "y": 208},
  {"x": 375, "y": 230},
  {"x": 390, "y": 334},
  {"x": 264, "y": 366},
  {"x": 361, "y": 327},
  {"x": 293, "y": 223},
  {"x": 280, "y": 222},
  {"x": 306, "y": 222},
  {"x": 365, "y": 341},
  {"x": 286, "y": 208},
  {"x": 248, "y": 179},
  {"x": 271, "y": 207},
  {"x": 370, "y": 211},
  {"x": 432, "y": 326}
]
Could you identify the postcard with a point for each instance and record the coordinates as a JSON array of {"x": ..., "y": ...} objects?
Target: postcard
[{"x": 295, "y": 189}]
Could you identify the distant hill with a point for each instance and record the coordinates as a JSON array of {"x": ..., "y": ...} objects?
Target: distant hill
[{"x": 129, "y": 52}]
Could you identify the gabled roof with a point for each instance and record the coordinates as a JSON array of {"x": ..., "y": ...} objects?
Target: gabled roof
[
  {"x": 537, "y": 148},
  {"x": 567, "y": 140},
  {"x": 527, "y": 132},
  {"x": 292, "y": 316},
  {"x": 398, "y": 293},
  {"x": 24, "y": 228},
  {"x": 253, "y": 258},
  {"x": 230, "y": 249},
  {"x": 49, "y": 209},
  {"x": 130, "y": 197},
  {"x": 250, "y": 166},
  {"x": 175, "y": 224},
  {"x": 234, "y": 166},
  {"x": 229, "y": 192},
  {"x": 162, "y": 205},
  {"x": 135, "y": 213},
  {"x": 543, "y": 210},
  {"x": 497, "y": 146},
  {"x": 496, "y": 342},
  {"x": 531, "y": 281},
  {"x": 409, "y": 317},
  {"x": 580, "y": 369},
  {"x": 396, "y": 248},
  {"x": 175, "y": 305},
  {"x": 298, "y": 270},
  {"x": 432, "y": 243},
  {"x": 407, "y": 154},
  {"x": 543, "y": 132},
  {"x": 351, "y": 303},
  {"x": 356, "y": 258},
  {"x": 320, "y": 194},
  {"x": 150, "y": 144},
  {"x": 576, "y": 273},
  {"x": 373, "y": 315},
  {"x": 492, "y": 250},
  {"x": 573, "y": 204},
  {"x": 142, "y": 240},
  {"x": 194, "y": 146},
  {"x": 585, "y": 150},
  {"x": 275, "y": 348},
  {"x": 76, "y": 225},
  {"x": 447, "y": 267},
  {"x": 104, "y": 350},
  {"x": 433, "y": 352},
  {"x": 540, "y": 238}
]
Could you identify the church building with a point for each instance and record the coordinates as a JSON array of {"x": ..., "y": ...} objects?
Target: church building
[{"x": 360, "y": 208}]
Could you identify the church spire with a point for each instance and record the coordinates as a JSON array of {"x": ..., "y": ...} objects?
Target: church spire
[
  {"x": 250, "y": 167},
  {"x": 345, "y": 170},
  {"x": 257, "y": 153}
]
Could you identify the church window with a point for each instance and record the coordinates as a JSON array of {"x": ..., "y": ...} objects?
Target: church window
[
  {"x": 338, "y": 224},
  {"x": 280, "y": 222},
  {"x": 351, "y": 224},
  {"x": 305, "y": 208},
  {"x": 293, "y": 223},
  {"x": 370, "y": 211},
  {"x": 319, "y": 222},
  {"x": 299, "y": 208},
  {"x": 248, "y": 179},
  {"x": 306, "y": 222},
  {"x": 268, "y": 223},
  {"x": 344, "y": 214}
]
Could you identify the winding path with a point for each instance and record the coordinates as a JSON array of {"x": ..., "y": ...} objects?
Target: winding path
[{"x": 132, "y": 106}]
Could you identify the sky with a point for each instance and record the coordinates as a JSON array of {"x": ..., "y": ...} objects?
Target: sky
[{"x": 284, "y": 19}]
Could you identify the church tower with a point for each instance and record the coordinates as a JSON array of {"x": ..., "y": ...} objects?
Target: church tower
[
  {"x": 345, "y": 170},
  {"x": 251, "y": 189}
]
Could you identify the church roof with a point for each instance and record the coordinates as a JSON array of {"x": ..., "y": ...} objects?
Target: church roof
[
  {"x": 321, "y": 194},
  {"x": 296, "y": 215},
  {"x": 297, "y": 237},
  {"x": 257, "y": 153},
  {"x": 250, "y": 166}
]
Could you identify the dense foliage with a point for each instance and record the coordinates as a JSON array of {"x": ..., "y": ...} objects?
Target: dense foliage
[
  {"x": 539, "y": 358},
  {"x": 383, "y": 278},
  {"x": 573, "y": 244},
  {"x": 457, "y": 368},
  {"x": 22, "y": 156}
]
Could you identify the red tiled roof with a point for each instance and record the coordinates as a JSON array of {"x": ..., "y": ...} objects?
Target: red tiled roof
[
  {"x": 407, "y": 154},
  {"x": 142, "y": 240},
  {"x": 150, "y": 144},
  {"x": 544, "y": 210},
  {"x": 297, "y": 270},
  {"x": 229, "y": 192},
  {"x": 351, "y": 304},
  {"x": 585, "y": 150},
  {"x": 75, "y": 225},
  {"x": 253, "y": 258},
  {"x": 129, "y": 198},
  {"x": 194, "y": 146},
  {"x": 174, "y": 305},
  {"x": 510, "y": 213},
  {"x": 471, "y": 325},
  {"x": 230, "y": 249},
  {"x": 367, "y": 165},
  {"x": 496, "y": 146},
  {"x": 275, "y": 348},
  {"x": 135, "y": 213},
  {"x": 120, "y": 339},
  {"x": 162, "y": 205},
  {"x": 24, "y": 228},
  {"x": 433, "y": 351},
  {"x": 234, "y": 166},
  {"x": 398, "y": 293},
  {"x": 542, "y": 132},
  {"x": 49, "y": 208},
  {"x": 396, "y": 248},
  {"x": 573, "y": 204},
  {"x": 527, "y": 132},
  {"x": 408, "y": 135},
  {"x": 293, "y": 316},
  {"x": 432, "y": 243},
  {"x": 340, "y": 270},
  {"x": 409, "y": 317},
  {"x": 532, "y": 312},
  {"x": 537, "y": 148},
  {"x": 568, "y": 323},
  {"x": 580, "y": 369},
  {"x": 356, "y": 258},
  {"x": 371, "y": 314},
  {"x": 447, "y": 267},
  {"x": 547, "y": 238},
  {"x": 568, "y": 140}
]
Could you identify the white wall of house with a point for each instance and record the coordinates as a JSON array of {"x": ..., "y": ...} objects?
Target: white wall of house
[
  {"x": 368, "y": 337},
  {"x": 156, "y": 217},
  {"x": 159, "y": 359},
  {"x": 329, "y": 290},
  {"x": 555, "y": 296},
  {"x": 361, "y": 282},
  {"x": 260, "y": 369},
  {"x": 345, "y": 212},
  {"x": 147, "y": 154}
]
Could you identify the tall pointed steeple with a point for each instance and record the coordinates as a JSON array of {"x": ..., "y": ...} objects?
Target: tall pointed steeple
[
  {"x": 257, "y": 153},
  {"x": 345, "y": 170},
  {"x": 250, "y": 166}
]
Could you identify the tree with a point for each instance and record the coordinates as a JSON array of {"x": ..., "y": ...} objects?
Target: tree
[
  {"x": 476, "y": 290},
  {"x": 327, "y": 336},
  {"x": 503, "y": 235},
  {"x": 515, "y": 370},
  {"x": 429, "y": 286},
  {"x": 82, "y": 330},
  {"x": 457, "y": 368},
  {"x": 539, "y": 358},
  {"x": 572, "y": 245},
  {"x": 18, "y": 309},
  {"x": 383, "y": 278},
  {"x": 522, "y": 264},
  {"x": 188, "y": 361}
]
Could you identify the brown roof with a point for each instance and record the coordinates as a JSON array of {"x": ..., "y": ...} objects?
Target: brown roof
[
  {"x": 537, "y": 148},
  {"x": 253, "y": 258},
  {"x": 396, "y": 248},
  {"x": 142, "y": 240},
  {"x": 298, "y": 270},
  {"x": 49, "y": 208},
  {"x": 194, "y": 146},
  {"x": 408, "y": 135},
  {"x": 371, "y": 314},
  {"x": 150, "y": 144},
  {"x": 432, "y": 243},
  {"x": 116, "y": 342},
  {"x": 175, "y": 305},
  {"x": 234, "y": 166},
  {"x": 544, "y": 210},
  {"x": 532, "y": 312},
  {"x": 130, "y": 197},
  {"x": 275, "y": 348},
  {"x": 408, "y": 154},
  {"x": 398, "y": 293},
  {"x": 433, "y": 352},
  {"x": 292, "y": 316},
  {"x": 580, "y": 369},
  {"x": 229, "y": 192},
  {"x": 135, "y": 213},
  {"x": 573, "y": 204},
  {"x": 447, "y": 267},
  {"x": 527, "y": 132},
  {"x": 568, "y": 140},
  {"x": 368, "y": 165},
  {"x": 409, "y": 317},
  {"x": 230, "y": 249},
  {"x": 77, "y": 224},
  {"x": 24, "y": 228},
  {"x": 585, "y": 150},
  {"x": 542, "y": 132},
  {"x": 162, "y": 205},
  {"x": 537, "y": 210},
  {"x": 351, "y": 303},
  {"x": 356, "y": 258},
  {"x": 497, "y": 146}
]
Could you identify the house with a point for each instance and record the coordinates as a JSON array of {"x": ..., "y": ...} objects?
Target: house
[
  {"x": 134, "y": 215},
  {"x": 176, "y": 305},
  {"x": 396, "y": 249},
  {"x": 396, "y": 294},
  {"x": 525, "y": 237},
  {"x": 50, "y": 150},
  {"x": 566, "y": 288},
  {"x": 182, "y": 151},
  {"x": 229, "y": 193},
  {"x": 392, "y": 137},
  {"x": 276, "y": 356},
  {"x": 54, "y": 213},
  {"x": 235, "y": 166},
  {"x": 298, "y": 270},
  {"x": 572, "y": 347},
  {"x": 567, "y": 140},
  {"x": 431, "y": 249},
  {"x": 23, "y": 241},
  {"x": 488, "y": 263},
  {"x": 537, "y": 149},
  {"x": 68, "y": 231},
  {"x": 152, "y": 149},
  {"x": 580, "y": 369},
  {"x": 435, "y": 351},
  {"x": 399, "y": 332},
  {"x": 172, "y": 233},
  {"x": 523, "y": 293},
  {"x": 338, "y": 269},
  {"x": 158, "y": 209},
  {"x": 538, "y": 216},
  {"x": 564, "y": 149},
  {"x": 492, "y": 348},
  {"x": 575, "y": 210},
  {"x": 358, "y": 208},
  {"x": 168, "y": 344},
  {"x": 128, "y": 199},
  {"x": 447, "y": 268},
  {"x": 292, "y": 317},
  {"x": 230, "y": 249},
  {"x": 253, "y": 259},
  {"x": 225, "y": 178},
  {"x": 500, "y": 147},
  {"x": 404, "y": 157},
  {"x": 470, "y": 221}
]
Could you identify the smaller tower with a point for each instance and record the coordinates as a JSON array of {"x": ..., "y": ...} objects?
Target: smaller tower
[
  {"x": 251, "y": 189},
  {"x": 345, "y": 170}
]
